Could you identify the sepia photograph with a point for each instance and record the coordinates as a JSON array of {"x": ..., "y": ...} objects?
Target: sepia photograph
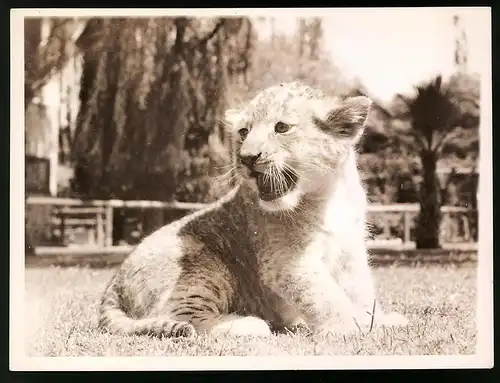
[{"x": 301, "y": 187}]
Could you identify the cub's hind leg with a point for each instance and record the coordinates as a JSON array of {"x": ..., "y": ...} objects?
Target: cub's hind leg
[
  {"x": 205, "y": 300},
  {"x": 209, "y": 316},
  {"x": 115, "y": 320}
]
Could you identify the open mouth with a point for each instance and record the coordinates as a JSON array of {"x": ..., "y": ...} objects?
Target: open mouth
[{"x": 271, "y": 189}]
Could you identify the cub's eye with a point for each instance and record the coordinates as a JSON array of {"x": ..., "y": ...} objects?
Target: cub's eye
[
  {"x": 243, "y": 132},
  {"x": 281, "y": 127}
]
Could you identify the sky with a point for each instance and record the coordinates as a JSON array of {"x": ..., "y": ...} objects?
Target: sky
[{"x": 390, "y": 50}]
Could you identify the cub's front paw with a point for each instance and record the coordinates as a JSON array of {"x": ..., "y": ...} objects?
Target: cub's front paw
[{"x": 243, "y": 326}]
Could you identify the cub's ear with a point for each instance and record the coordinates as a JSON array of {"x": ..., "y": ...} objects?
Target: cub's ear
[
  {"x": 233, "y": 119},
  {"x": 345, "y": 119}
]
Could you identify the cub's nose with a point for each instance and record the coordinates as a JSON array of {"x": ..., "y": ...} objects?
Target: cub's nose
[{"x": 249, "y": 160}]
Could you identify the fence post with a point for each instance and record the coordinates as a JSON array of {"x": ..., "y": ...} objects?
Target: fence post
[
  {"x": 466, "y": 225},
  {"x": 100, "y": 228},
  {"x": 109, "y": 225},
  {"x": 406, "y": 226},
  {"x": 62, "y": 225}
]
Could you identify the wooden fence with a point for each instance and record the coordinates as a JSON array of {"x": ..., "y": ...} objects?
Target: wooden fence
[
  {"x": 103, "y": 210},
  {"x": 409, "y": 210}
]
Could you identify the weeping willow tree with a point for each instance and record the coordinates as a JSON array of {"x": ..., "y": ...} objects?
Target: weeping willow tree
[{"x": 152, "y": 96}]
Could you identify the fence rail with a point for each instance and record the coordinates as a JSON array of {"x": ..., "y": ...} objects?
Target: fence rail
[
  {"x": 103, "y": 210},
  {"x": 114, "y": 203},
  {"x": 413, "y": 208}
]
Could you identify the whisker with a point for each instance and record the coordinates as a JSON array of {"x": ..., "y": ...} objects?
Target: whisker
[
  {"x": 283, "y": 175},
  {"x": 267, "y": 176},
  {"x": 290, "y": 169},
  {"x": 273, "y": 179},
  {"x": 286, "y": 173},
  {"x": 224, "y": 166},
  {"x": 281, "y": 181},
  {"x": 278, "y": 178},
  {"x": 223, "y": 178},
  {"x": 279, "y": 184},
  {"x": 233, "y": 168}
]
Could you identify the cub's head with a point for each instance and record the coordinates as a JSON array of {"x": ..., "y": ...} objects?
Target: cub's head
[{"x": 292, "y": 139}]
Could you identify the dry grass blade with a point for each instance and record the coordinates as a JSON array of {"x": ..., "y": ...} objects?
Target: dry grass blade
[
  {"x": 357, "y": 325},
  {"x": 373, "y": 315}
]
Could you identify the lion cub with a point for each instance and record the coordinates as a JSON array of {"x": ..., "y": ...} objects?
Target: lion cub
[{"x": 286, "y": 247}]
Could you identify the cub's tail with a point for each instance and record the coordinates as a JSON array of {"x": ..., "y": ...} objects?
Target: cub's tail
[{"x": 115, "y": 320}]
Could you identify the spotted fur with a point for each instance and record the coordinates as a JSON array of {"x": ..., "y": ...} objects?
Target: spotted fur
[{"x": 247, "y": 266}]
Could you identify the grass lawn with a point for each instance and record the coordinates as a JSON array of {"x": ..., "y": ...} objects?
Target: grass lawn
[{"x": 440, "y": 302}]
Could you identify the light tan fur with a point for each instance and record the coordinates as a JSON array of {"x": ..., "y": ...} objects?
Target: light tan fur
[{"x": 248, "y": 264}]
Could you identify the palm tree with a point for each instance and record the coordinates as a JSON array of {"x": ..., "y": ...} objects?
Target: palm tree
[{"x": 434, "y": 114}]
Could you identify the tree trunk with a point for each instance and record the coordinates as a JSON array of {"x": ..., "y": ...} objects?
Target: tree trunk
[{"x": 429, "y": 219}]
